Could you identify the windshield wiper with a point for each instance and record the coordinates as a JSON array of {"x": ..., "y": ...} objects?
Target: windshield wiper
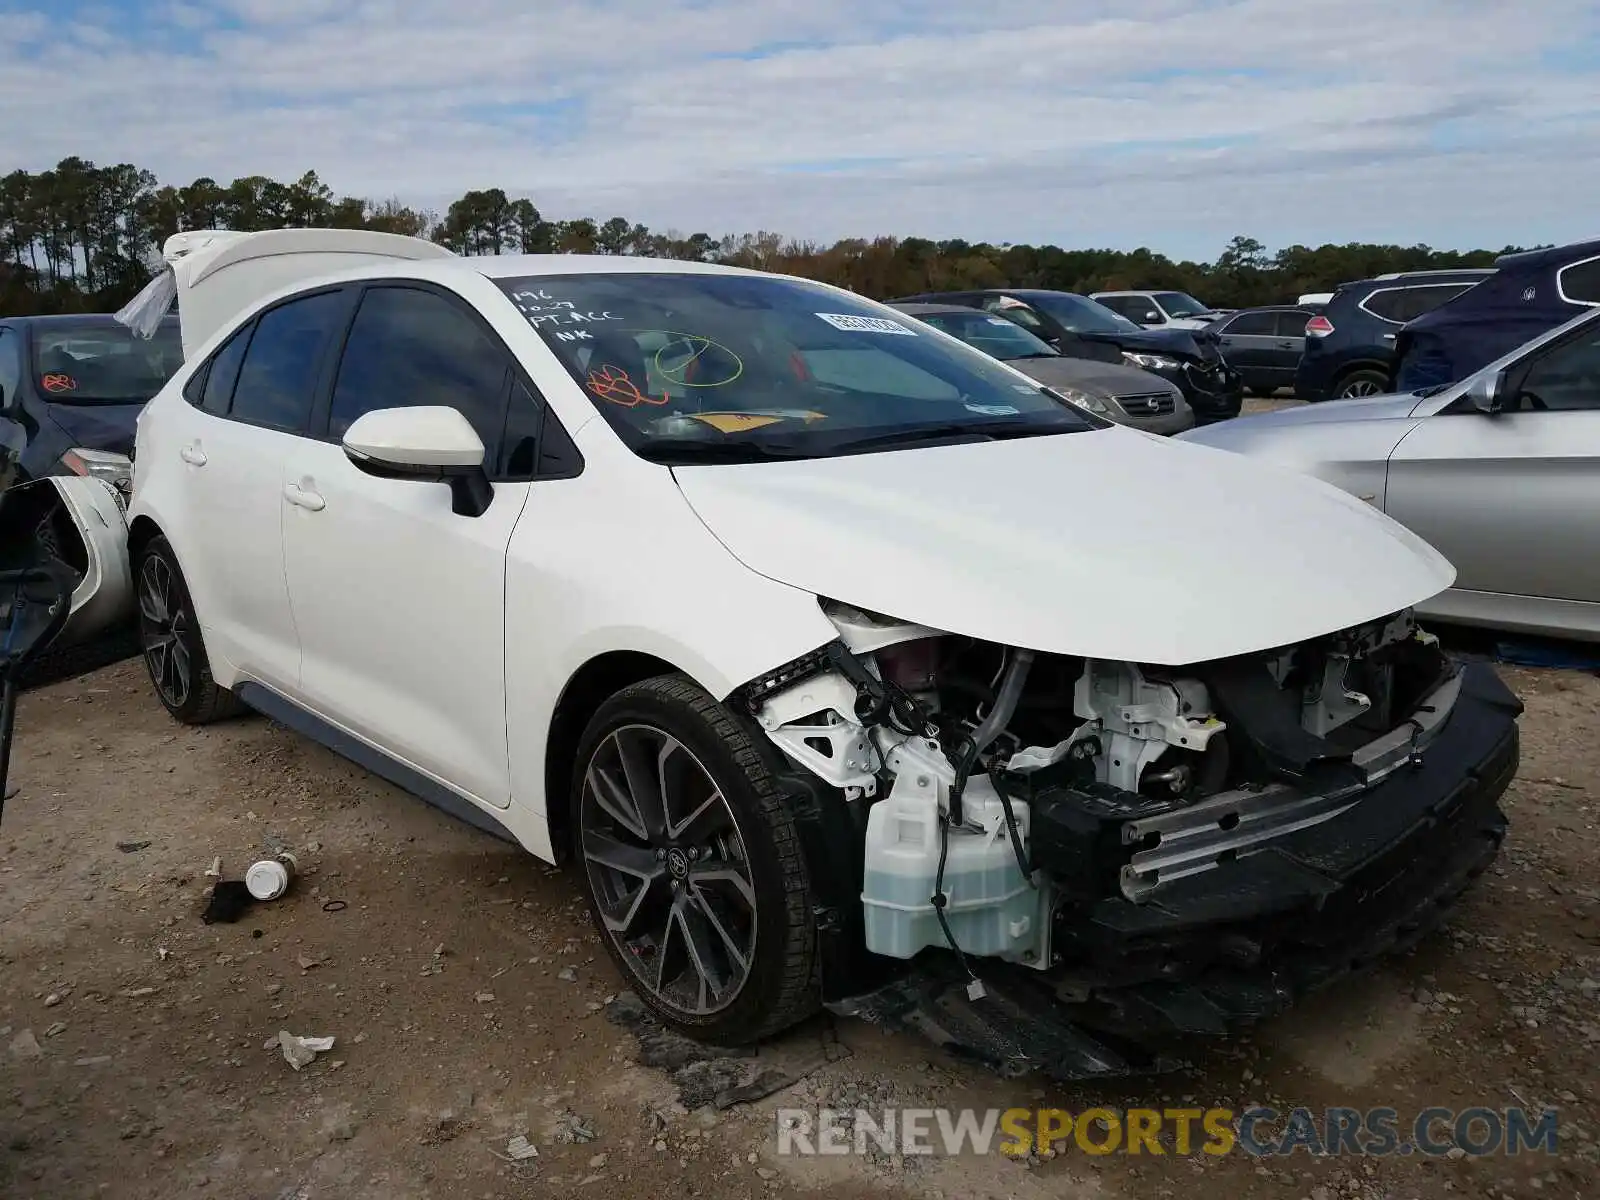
[
  {"x": 671, "y": 450},
  {"x": 986, "y": 430}
]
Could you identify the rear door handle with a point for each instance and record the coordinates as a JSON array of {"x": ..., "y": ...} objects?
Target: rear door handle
[
  {"x": 1388, "y": 337},
  {"x": 193, "y": 455},
  {"x": 299, "y": 496}
]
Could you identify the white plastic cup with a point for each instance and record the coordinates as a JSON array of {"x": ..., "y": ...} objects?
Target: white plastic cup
[{"x": 269, "y": 878}]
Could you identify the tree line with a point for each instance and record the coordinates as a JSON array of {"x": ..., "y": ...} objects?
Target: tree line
[{"x": 85, "y": 238}]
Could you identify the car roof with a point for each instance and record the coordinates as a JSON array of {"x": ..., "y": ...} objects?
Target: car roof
[
  {"x": 923, "y": 308},
  {"x": 1550, "y": 256},
  {"x": 1405, "y": 278}
]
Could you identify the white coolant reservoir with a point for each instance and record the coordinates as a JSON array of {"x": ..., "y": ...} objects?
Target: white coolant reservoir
[{"x": 992, "y": 908}]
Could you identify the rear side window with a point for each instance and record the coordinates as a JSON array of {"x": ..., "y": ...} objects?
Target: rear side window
[
  {"x": 414, "y": 347},
  {"x": 1254, "y": 325},
  {"x": 277, "y": 381},
  {"x": 1292, "y": 324},
  {"x": 1408, "y": 303},
  {"x": 223, "y": 373},
  {"x": 1579, "y": 282}
]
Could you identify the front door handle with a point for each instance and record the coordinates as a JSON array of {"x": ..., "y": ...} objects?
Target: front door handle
[
  {"x": 193, "y": 455},
  {"x": 299, "y": 496}
]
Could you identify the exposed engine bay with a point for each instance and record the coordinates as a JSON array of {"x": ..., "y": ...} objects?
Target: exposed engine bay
[{"x": 1005, "y": 790}]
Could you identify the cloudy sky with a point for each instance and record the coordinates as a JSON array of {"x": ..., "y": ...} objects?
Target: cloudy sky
[{"x": 1168, "y": 123}]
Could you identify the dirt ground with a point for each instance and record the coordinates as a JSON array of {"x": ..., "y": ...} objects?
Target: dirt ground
[{"x": 463, "y": 988}]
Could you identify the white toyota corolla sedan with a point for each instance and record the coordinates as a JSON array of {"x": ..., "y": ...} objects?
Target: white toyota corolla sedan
[{"x": 849, "y": 665}]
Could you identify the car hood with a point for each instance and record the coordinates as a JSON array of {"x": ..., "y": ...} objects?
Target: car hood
[
  {"x": 107, "y": 427},
  {"x": 1109, "y": 544},
  {"x": 1106, "y": 379},
  {"x": 1184, "y": 343},
  {"x": 1331, "y": 412}
]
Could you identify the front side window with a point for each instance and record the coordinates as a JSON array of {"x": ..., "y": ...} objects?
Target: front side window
[
  {"x": 1255, "y": 325},
  {"x": 1180, "y": 304},
  {"x": 409, "y": 347},
  {"x": 1079, "y": 314},
  {"x": 278, "y": 378},
  {"x": 995, "y": 336},
  {"x": 103, "y": 362},
  {"x": 695, "y": 366},
  {"x": 1565, "y": 378}
]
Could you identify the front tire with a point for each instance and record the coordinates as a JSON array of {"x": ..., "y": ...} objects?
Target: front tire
[
  {"x": 692, "y": 864},
  {"x": 169, "y": 638}
]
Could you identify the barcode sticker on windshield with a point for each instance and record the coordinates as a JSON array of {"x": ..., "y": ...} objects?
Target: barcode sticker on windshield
[{"x": 853, "y": 324}]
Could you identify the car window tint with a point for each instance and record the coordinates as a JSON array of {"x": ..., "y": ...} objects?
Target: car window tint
[
  {"x": 1020, "y": 313},
  {"x": 535, "y": 443},
  {"x": 1386, "y": 304},
  {"x": 223, "y": 373},
  {"x": 1260, "y": 324},
  {"x": 1581, "y": 281},
  {"x": 411, "y": 347},
  {"x": 1565, "y": 378},
  {"x": 10, "y": 365},
  {"x": 1292, "y": 324},
  {"x": 278, "y": 378}
]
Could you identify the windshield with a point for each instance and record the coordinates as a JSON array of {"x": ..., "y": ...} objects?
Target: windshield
[
  {"x": 1079, "y": 314},
  {"x": 103, "y": 364},
  {"x": 995, "y": 336},
  {"x": 705, "y": 367},
  {"x": 1181, "y": 304}
]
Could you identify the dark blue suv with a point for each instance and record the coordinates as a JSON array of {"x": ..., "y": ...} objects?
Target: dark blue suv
[{"x": 1350, "y": 347}]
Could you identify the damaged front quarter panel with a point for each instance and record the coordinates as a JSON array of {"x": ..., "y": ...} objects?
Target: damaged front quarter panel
[{"x": 1060, "y": 864}]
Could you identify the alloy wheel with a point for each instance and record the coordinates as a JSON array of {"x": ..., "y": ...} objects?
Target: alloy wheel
[
  {"x": 1357, "y": 389},
  {"x": 163, "y": 626},
  {"x": 668, "y": 869}
]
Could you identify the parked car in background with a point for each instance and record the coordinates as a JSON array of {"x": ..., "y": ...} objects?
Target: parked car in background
[
  {"x": 1084, "y": 328},
  {"x": 1500, "y": 472},
  {"x": 1350, "y": 346},
  {"x": 1528, "y": 294},
  {"x": 841, "y": 661},
  {"x": 1126, "y": 395},
  {"x": 71, "y": 388},
  {"x": 1264, "y": 345},
  {"x": 1159, "y": 310}
]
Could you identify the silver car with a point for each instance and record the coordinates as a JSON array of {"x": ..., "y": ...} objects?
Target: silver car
[
  {"x": 1126, "y": 395},
  {"x": 1501, "y": 472}
]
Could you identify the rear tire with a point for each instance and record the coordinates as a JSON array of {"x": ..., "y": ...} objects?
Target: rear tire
[
  {"x": 692, "y": 864},
  {"x": 169, "y": 637},
  {"x": 1365, "y": 382}
]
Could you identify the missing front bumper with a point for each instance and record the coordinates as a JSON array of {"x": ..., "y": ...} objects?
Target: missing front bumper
[{"x": 1217, "y": 951}]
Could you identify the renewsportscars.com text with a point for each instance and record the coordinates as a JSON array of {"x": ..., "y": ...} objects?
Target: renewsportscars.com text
[{"x": 1260, "y": 1132}]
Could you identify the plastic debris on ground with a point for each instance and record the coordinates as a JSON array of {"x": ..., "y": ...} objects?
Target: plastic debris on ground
[{"x": 302, "y": 1051}]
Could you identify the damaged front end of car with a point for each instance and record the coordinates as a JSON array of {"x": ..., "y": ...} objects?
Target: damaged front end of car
[{"x": 1078, "y": 866}]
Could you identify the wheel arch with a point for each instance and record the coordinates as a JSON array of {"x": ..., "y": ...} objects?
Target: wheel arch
[
  {"x": 590, "y": 686},
  {"x": 1350, "y": 368},
  {"x": 142, "y": 530}
]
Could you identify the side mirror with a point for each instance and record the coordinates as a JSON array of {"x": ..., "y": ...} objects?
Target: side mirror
[
  {"x": 1486, "y": 392},
  {"x": 1152, "y": 318},
  {"x": 426, "y": 443}
]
